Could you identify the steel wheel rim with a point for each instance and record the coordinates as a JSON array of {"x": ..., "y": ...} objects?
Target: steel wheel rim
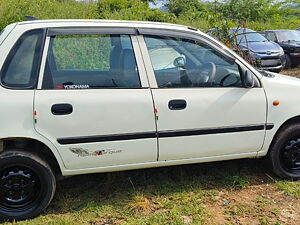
[
  {"x": 290, "y": 156},
  {"x": 20, "y": 187}
]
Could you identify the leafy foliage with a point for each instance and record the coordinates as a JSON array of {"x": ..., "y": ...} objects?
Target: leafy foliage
[
  {"x": 263, "y": 14},
  {"x": 186, "y": 7},
  {"x": 220, "y": 14},
  {"x": 15, "y": 10},
  {"x": 131, "y": 10}
]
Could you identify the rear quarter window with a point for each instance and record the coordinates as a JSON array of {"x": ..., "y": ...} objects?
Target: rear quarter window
[{"x": 20, "y": 69}]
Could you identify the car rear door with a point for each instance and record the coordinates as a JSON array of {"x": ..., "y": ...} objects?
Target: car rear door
[
  {"x": 93, "y": 100},
  {"x": 198, "y": 116}
]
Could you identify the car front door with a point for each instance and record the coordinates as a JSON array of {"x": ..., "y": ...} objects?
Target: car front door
[
  {"x": 93, "y": 100},
  {"x": 202, "y": 108}
]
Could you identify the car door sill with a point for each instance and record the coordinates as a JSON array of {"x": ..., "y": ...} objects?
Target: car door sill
[{"x": 133, "y": 166}]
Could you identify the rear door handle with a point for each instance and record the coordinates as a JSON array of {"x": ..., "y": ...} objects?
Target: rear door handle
[
  {"x": 61, "y": 109},
  {"x": 177, "y": 104}
]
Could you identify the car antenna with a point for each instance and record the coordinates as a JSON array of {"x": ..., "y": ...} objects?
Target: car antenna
[{"x": 30, "y": 18}]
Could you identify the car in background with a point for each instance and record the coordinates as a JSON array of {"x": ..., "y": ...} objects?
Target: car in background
[
  {"x": 289, "y": 40},
  {"x": 266, "y": 54}
]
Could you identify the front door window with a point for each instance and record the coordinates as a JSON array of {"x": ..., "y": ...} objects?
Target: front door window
[{"x": 183, "y": 63}]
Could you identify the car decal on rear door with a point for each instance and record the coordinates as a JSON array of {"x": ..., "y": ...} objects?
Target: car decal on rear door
[{"x": 81, "y": 152}]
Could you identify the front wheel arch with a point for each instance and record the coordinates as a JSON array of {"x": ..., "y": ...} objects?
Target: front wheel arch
[
  {"x": 287, "y": 131},
  {"x": 288, "y": 122}
]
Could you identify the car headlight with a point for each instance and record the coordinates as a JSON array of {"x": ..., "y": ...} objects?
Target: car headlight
[{"x": 281, "y": 52}]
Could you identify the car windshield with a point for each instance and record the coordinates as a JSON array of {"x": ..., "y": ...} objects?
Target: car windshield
[
  {"x": 289, "y": 35},
  {"x": 250, "y": 37}
]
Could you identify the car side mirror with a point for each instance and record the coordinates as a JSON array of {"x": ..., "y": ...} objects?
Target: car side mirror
[
  {"x": 248, "y": 79},
  {"x": 179, "y": 62}
]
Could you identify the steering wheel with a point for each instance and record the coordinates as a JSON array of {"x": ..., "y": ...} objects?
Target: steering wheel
[
  {"x": 210, "y": 77},
  {"x": 228, "y": 76}
]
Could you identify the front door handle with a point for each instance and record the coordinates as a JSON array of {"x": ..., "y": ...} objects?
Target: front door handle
[
  {"x": 62, "y": 109},
  {"x": 177, "y": 104}
]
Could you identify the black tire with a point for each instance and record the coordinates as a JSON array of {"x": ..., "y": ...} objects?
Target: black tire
[
  {"x": 287, "y": 64},
  {"x": 27, "y": 185},
  {"x": 284, "y": 153}
]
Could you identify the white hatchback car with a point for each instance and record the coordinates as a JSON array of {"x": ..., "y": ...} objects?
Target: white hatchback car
[{"x": 89, "y": 96}]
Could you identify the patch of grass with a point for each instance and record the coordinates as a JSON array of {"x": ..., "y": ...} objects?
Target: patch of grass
[
  {"x": 262, "y": 201},
  {"x": 190, "y": 194},
  {"x": 240, "y": 209},
  {"x": 239, "y": 182},
  {"x": 289, "y": 188},
  {"x": 140, "y": 204},
  {"x": 263, "y": 220},
  {"x": 275, "y": 212}
]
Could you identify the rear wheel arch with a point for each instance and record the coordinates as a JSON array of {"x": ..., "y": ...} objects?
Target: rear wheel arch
[
  {"x": 33, "y": 146},
  {"x": 28, "y": 185}
]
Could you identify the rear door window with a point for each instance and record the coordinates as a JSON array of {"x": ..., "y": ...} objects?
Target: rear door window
[{"x": 91, "y": 61}]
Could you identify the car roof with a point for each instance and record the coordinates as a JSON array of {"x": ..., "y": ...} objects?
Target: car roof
[
  {"x": 279, "y": 30},
  {"x": 120, "y": 23}
]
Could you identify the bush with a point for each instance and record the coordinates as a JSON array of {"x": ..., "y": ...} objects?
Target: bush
[
  {"x": 199, "y": 14},
  {"x": 15, "y": 10}
]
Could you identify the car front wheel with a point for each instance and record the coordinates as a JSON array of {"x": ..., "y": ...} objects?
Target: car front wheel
[
  {"x": 27, "y": 185},
  {"x": 287, "y": 62},
  {"x": 284, "y": 153}
]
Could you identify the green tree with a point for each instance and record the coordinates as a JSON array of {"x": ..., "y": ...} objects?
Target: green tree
[
  {"x": 131, "y": 10},
  {"x": 179, "y": 7},
  {"x": 242, "y": 12}
]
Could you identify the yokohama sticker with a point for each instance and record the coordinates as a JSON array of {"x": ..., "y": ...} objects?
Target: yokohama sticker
[{"x": 73, "y": 86}]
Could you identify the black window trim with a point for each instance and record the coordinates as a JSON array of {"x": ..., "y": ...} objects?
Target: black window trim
[
  {"x": 38, "y": 66},
  {"x": 90, "y": 31}
]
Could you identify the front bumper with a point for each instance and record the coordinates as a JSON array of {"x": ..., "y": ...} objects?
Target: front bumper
[
  {"x": 269, "y": 62},
  {"x": 295, "y": 57},
  {"x": 271, "y": 68}
]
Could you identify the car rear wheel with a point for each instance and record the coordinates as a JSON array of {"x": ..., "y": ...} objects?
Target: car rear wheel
[
  {"x": 284, "y": 153},
  {"x": 27, "y": 185}
]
